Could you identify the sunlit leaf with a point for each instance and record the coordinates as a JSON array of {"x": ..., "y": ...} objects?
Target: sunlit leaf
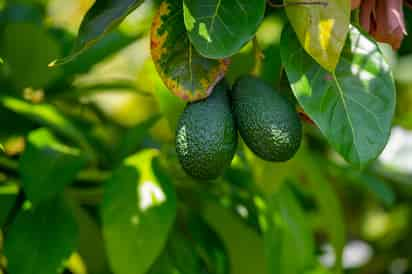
[
  {"x": 45, "y": 236},
  {"x": 184, "y": 72},
  {"x": 102, "y": 18},
  {"x": 47, "y": 166},
  {"x": 138, "y": 211},
  {"x": 352, "y": 106},
  {"x": 219, "y": 29},
  {"x": 321, "y": 28}
]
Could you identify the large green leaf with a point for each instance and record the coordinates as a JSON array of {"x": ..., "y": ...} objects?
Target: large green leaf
[
  {"x": 321, "y": 29},
  {"x": 41, "y": 239},
  {"x": 47, "y": 166},
  {"x": 289, "y": 242},
  {"x": 246, "y": 256},
  {"x": 138, "y": 211},
  {"x": 220, "y": 28},
  {"x": 328, "y": 204},
  {"x": 186, "y": 73},
  {"x": 354, "y": 105},
  {"x": 103, "y": 17}
]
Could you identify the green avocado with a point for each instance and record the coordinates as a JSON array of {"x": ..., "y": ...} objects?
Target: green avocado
[
  {"x": 206, "y": 136},
  {"x": 267, "y": 122}
]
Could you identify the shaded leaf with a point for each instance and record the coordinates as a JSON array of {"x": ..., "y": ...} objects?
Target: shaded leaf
[
  {"x": 102, "y": 18},
  {"x": 47, "y": 166},
  {"x": 219, "y": 29},
  {"x": 138, "y": 211},
  {"x": 329, "y": 206},
  {"x": 321, "y": 29},
  {"x": 134, "y": 137},
  {"x": 245, "y": 256},
  {"x": 46, "y": 115},
  {"x": 184, "y": 72},
  {"x": 353, "y": 106},
  {"x": 289, "y": 242},
  {"x": 8, "y": 195},
  {"x": 28, "y": 54},
  {"x": 45, "y": 236}
]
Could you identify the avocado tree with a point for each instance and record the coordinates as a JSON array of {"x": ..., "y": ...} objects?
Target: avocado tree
[{"x": 205, "y": 136}]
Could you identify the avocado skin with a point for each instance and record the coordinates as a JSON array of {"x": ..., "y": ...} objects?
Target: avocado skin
[
  {"x": 267, "y": 122},
  {"x": 206, "y": 136}
]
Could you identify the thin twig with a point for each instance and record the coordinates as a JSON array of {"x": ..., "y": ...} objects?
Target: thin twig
[{"x": 297, "y": 3}]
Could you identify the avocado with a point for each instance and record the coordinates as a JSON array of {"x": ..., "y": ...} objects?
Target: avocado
[
  {"x": 206, "y": 136},
  {"x": 267, "y": 122}
]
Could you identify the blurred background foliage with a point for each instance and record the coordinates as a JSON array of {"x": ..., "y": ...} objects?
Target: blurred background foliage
[{"x": 109, "y": 103}]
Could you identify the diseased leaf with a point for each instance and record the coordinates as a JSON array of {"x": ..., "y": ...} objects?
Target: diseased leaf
[
  {"x": 139, "y": 208},
  {"x": 186, "y": 73},
  {"x": 102, "y": 18},
  {"x": 353, "y": 106},
  {"x": 220, "y": 28},
  {"x": 321, "y": 29},
  {"x": 45, "y": 236},
  {"x": 47, "y": 166}
]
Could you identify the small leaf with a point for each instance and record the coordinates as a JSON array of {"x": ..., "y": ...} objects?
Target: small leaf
[
  {"x": 321, "y": 29},
  {"x": 28, "y": 54},
  {"x": 219, "y": 29},
  {"x": 47, "y": 166},
  {"x": 45, "y": 236},
  {"x": 138, "y": 211},
  {"x": 46, "y": 115},
  {"x": 102, "y": 18},
  {"x": 134, "y": 136},
  {"x": 8, "y": 195},
  {"x": 289, "y": 242},
  {"x": 353, "y": 106},
  {"x": 187, "y": 74}
]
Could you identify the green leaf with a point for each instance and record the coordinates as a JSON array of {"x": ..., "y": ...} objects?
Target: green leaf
[
  {"x": 41, "y": 239},
  {"x": 28, "y": 49},
  {"x": 374, "y": 184},
  {"x": 321, "y": 29},
  {"x": 102, "y": 18},
  {"x": 328, "y": 203},
  {"x": 91, "y": 245},
  {"x": 134, "y": 136},
  {"x": 354, "y": 106},
  {"x": 183, "y": 71},
  {"x": 220, "y": 28},
  {"x": 246, "y": 256},
  {"x": 138, "y": 211},
  {"x": 8, "y": 195},
  {"x": 289, "y": 242},
  {"x": 46, "y": 115},
  {"x": 47, "y": 166}
]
